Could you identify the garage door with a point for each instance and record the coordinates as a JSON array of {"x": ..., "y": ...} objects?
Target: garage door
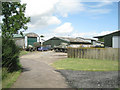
[{"x": 31, "y": 40}]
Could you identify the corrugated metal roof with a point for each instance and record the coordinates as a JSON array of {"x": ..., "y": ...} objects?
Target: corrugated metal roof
[
  {"x": 69, "y": 39},
  {"x": 27, "y": 34},
  {"x": 32, "y": 35},
  {"x": 18, "y": 35},
  {"x": 118, "y": 31}
]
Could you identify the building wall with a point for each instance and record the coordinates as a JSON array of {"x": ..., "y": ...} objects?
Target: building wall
[
  {"x": 54, "y": 42},
  {"x": 116, "y": 42},
  {"x": 108, "y": 39},
  {"x": 20, "y": 42}
]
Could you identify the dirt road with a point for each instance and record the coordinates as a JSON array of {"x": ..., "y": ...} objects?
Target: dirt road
[{"x": 37, "y": 72}]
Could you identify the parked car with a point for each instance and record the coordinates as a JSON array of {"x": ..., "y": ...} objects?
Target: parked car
[{"x": 43, "y": 49}]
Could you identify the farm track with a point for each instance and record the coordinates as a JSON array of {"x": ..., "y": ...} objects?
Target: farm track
[{"x": 37, "y": 72}]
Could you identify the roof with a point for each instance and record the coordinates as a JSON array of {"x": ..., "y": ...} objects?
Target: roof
[
  {"x": 87, "y": 39},
  {"x": 28, "y": 34},
  {"x": 18, "y": 35},
  {"x": 118, "y": 31},
  {"x": 31, "y": 35},
  {"x": 69, "y": 39}
]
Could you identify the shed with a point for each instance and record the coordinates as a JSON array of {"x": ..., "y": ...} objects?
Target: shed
[
  {"x": 111, "y": 39},
  {"x": 26, "y": 39},
  {"x": 56, "y": 41}
]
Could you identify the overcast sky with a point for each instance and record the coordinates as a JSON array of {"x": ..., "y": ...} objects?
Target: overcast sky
[{"x": 71, "y": 18}]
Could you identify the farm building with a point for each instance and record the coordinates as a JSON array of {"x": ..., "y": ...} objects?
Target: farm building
[
  {"x": 111, "y": 39},
  {"x": 92, "y": 41},
  {"x": 56, "y": 41},
  {"x": 26, "y": 39}
]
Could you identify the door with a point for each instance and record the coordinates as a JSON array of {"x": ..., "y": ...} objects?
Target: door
[
  {"x": 31, "y": 40},
  {"x": 116, "y": 42}
]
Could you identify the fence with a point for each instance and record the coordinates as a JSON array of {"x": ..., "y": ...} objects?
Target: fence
[{"x": 93, "y": 53}]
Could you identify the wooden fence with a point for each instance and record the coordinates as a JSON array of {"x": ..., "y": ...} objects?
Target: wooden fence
[{"x": 93, "y": 53}]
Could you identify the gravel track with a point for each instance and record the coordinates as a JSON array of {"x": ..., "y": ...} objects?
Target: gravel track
[{"x": 90, "y": 79}]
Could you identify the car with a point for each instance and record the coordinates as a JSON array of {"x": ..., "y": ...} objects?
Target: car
[{"x": 43, "y": 49}]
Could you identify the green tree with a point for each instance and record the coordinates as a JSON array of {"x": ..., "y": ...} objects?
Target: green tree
[
  {"x": 14, "y": 18},
  {"x": 101, "y": 39}
]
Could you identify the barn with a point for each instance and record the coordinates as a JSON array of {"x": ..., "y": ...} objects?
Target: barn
[
  {"x": 56, "y": 41},
  {"x": 26, "y": 39},
  {"x": 111, "y": 39}
]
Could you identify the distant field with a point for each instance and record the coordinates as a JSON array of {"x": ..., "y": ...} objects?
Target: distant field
[{"x": 86, "y": 64}]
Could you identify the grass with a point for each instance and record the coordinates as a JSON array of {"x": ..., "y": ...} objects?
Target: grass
[
  {"x": 10, "y": 78},
  {"x": 23, "y": 52},
  {"x": 86, "y": 64}
]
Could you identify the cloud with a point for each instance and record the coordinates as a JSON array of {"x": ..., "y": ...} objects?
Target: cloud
[
  {"x": 106, "y": 32},
  {"x": 61, "y": 7},
  {"x": 102, "y": 3},
  {"x": 42, "y": 12},
  {"x": 99, "y": 11},
  {"x": 39, "y": 7},
  {"x": 64, "y": 7},
  {"x": 84, "y": 34},
  {"x": 90, "y": 34},
  {"x": 99, "y": 0},
  {"x": 43, "y": 21},
  {"x": 65, "y": 28}
]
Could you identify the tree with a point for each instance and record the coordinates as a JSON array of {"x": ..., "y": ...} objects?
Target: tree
[
  {"x": 14, "y": 18},
  {"x": 41, "y": 36}
]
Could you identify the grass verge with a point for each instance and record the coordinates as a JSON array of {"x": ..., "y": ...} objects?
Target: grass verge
[
  {"x": 23, "y": 52},
  {"x": 86, "y": 64},
  {"x": 9, "y": 78}
]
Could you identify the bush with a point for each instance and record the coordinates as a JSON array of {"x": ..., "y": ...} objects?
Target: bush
[{"x": 10, "y": 55}]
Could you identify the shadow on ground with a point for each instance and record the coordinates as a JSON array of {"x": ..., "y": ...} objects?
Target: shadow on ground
[{"x": 25, "y": 69}]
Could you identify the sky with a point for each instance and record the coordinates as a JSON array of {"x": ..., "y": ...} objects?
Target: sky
[{"x": 71, "y": 18}]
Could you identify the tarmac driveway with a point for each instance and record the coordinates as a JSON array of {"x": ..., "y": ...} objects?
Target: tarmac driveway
[{"x": 37, "y": 72}]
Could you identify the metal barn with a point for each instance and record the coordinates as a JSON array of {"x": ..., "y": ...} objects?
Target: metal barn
[
  {"x": 110, "y": 40},
  {"x": 56, "y": 41},
  {"x": 26, "y": 39}
]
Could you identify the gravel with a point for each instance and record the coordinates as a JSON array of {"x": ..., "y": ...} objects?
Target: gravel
[{"x": 91, "y": 79}]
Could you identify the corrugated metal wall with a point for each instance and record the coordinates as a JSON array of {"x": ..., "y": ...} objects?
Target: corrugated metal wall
[
  {"x": 54, "y": 42},
  {"x": 108, "y": 39}
]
